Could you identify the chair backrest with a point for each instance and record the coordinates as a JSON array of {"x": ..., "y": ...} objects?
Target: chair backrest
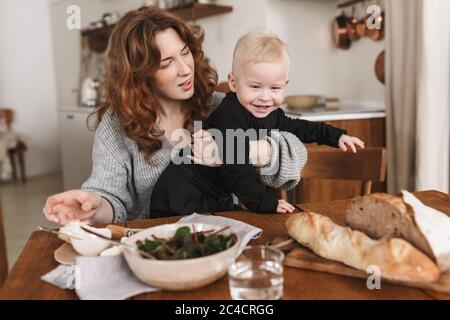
[
  {"x": 367, "y": 165},
  {"x": 6, "y": 116},
  {"x": 3, "y": 256},
  {"x": 223, "y": 87}
]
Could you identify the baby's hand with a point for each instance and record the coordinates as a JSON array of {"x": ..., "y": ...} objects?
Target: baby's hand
[
  {"x": 346, "y": 140},
  {"x": 285, "y": 207}
]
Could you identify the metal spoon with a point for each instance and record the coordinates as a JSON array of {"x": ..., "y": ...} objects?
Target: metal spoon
[{"x": 57, "y": 232}]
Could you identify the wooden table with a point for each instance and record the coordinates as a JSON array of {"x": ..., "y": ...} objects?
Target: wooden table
[{"x": 37, "y": 259}]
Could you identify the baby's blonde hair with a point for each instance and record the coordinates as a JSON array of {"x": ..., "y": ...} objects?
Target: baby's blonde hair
[{"x": 258, "y": 46}]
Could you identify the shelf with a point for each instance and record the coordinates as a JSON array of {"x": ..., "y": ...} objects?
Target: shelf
[
  {"x": 98, "y": 39},
  {"x": 348, "y": 3},
  {"x": 200, "y": 11},
  {"x": 99, "y": 32}
]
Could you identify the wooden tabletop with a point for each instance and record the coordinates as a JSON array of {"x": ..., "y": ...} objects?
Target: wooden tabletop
[{"x": 37, "y": 259}]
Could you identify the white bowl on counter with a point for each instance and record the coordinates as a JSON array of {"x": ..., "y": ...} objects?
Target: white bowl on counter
[
  {"x": 302, "y": 101},
  {"x": 178, "y": 275}
]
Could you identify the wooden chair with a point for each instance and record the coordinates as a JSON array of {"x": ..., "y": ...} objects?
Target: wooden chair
[
  {"x": 367, "y": 165},
  {"x": 223, "y": 87},
  {"x": 7, "y": 116},
  {"x": 3, "y": 256}
]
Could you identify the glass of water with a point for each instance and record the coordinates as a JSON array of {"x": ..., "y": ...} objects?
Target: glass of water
[{"x": 257, "y": 274}]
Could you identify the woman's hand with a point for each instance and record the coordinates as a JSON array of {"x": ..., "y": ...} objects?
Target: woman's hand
[
  {"x": 352, "y": 142},
  {"x": 77, "y": 205},
  {"x": 285, "y": 207},
  {"x": 205, "y": 150}
]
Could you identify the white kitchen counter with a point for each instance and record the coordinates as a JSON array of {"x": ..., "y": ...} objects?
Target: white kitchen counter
[
  {"x": 341, "y": 116},
  {"x": 347, "y": 111}
]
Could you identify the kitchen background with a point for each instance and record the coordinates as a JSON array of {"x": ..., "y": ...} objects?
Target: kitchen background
[
  {"x": 40, "y": 59},
  {"x": 43, "y": 65}
]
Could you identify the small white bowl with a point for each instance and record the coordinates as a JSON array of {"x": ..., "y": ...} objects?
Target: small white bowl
[
  {"x": 183, "y": 274},
  {"x": 86, "y": 246}
]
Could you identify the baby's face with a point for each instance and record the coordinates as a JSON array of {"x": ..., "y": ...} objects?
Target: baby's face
[{"x": 259, "y": 86}]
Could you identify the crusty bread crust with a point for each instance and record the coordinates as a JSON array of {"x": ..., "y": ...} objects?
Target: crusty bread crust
[
  {"x": 384, "y": 215},
  {"x": 396, "y": 258}
]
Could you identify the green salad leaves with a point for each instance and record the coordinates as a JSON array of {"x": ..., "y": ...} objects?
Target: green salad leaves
[{"x": 187, "y": 245}]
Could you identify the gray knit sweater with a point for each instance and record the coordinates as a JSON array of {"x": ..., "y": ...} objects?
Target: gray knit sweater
[{"x": 122, "y": 176}]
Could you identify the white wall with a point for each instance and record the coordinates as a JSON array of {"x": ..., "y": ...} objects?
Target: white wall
[
  {"x": 222, "y": 31},
  {"x": 355, "y": 71},
  {"x": 308, "y": 35},
  {"x": 27, "y": 80}
]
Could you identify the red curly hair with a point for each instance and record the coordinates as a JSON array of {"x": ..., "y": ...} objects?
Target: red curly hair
[{"x": 132, "y": 59}]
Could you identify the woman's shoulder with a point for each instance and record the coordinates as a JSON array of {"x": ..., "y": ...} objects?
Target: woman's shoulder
[
  {"x": 109, "y": 125},
  {"x": 110, "y": 134}
]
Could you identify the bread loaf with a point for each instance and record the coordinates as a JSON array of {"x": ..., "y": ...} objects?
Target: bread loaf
[
  {"x": 396, "y": 258},
  {"x": 383, "y": 215}
]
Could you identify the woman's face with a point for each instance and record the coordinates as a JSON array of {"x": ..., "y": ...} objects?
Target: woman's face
[{"x": 175, "y": 78}]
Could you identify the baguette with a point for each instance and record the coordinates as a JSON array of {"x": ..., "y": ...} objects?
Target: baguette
[
  {"x": 382, "y": 215},
  {"x": 397, "y": 259}
]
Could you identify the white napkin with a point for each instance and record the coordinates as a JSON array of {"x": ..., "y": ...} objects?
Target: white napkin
[
  {"x": 435, "y": 226},
  {"x": 107, "y": 278},
  {"x": 98, "y": 278},
  {"x": 110, "y": 278},
  {"x": 62, "y": 277}
]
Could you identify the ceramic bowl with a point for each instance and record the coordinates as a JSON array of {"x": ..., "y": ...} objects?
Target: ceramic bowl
[
  {"x": 183, "y": 274},
  {"x": 302, "y": 101}
]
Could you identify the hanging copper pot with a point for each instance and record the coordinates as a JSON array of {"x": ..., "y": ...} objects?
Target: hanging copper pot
[
  {"x": 379, "y": 67},
  {"x": 340, "y": 35},
  {"x": 361, "y": 27},
  {"x": 351, "y": 28}
]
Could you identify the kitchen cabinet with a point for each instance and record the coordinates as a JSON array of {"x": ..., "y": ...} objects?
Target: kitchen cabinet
[
  {"x": 372, "y": 132},
  {"x": 76, "y": 143}
]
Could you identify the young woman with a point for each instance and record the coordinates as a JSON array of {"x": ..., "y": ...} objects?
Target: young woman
[{"x": 158, "y": 82}]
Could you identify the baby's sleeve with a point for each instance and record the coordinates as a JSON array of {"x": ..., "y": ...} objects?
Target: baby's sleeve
[
  {"x": 311, "y": 131},
  {"x": 288, "y": 158}
]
